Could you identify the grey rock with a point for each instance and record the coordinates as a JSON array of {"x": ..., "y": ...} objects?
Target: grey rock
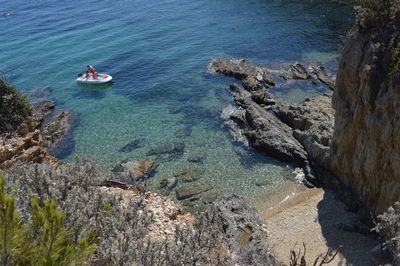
[
  {"x": 253, "y": 78},
  {"x": 57, "y": 129},
  {"x": 189, "y": 191},
  {"x": 132, "y": 145},
  {"x": 197, "y": 157},
  {"x": 173, "y": 147},
  {"x": 132, "y": 171},
  {"x": 189, "y": 174},
  {"x": 169, "y": 183}
]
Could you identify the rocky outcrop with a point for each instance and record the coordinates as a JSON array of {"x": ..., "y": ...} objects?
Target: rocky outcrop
[
  {"x": 245, "y": 230},
  {"x": 366, "y": 143},
  {"x": 266, "y": 133},
  {"x": 313, "y": 72},
  {"x": 35, "y": 136},
  {"x": 312, "y": 123},
  {"x": 297, "y": 133},
  {"x": 253, "y": 78}
]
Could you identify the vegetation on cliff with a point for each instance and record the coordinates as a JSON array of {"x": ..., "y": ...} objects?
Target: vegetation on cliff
[
  {"x": 132, "y": 227},
  {"x": 42, "y": 240},
  {"x": 14, "y": 107},
  {"x": 373, "y": 12}
]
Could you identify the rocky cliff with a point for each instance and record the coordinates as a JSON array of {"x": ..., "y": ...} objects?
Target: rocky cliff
[{"x": 365, "y": 151}]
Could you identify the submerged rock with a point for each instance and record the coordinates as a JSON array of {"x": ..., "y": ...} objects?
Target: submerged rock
[
  {"x": 181, "y": 133},
  {"x": 189, "y": 174},
  {"x": 189, "y": 191},
  {"x": 131, "y": 171},
  {"x": 197, "y": 157},
  {"x": 42, "y": 109},
  {"x": 132, "y": 145},
  {"x": 168, "y": 183},
  {"x": 56, "y": 129},
  {"x": 174, "y": 147}
]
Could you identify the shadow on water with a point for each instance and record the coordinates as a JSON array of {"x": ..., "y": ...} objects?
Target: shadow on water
[{"x": 92, "y": 91}]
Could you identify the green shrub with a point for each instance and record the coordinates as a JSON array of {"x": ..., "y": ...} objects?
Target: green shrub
[
  {"x": 395, "y": 67},
  {"x": 373, "y": 12},
  {"x": 42, "y": 241},
  {"x": 14, "y": 107}
]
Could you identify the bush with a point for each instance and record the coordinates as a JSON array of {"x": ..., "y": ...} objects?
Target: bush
[
  {"x": 42, "y": 241},
  {"x": 372, "y": 13},
  {"x": 122, "y": 222},
  {"x": 388, "y": 227},
  {"x": 14, "y": 107}
]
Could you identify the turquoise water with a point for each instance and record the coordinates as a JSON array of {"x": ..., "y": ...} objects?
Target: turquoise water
[{"x": 158, "y": 54}]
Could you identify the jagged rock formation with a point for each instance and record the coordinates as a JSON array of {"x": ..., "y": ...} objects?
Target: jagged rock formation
[
  {"x": 312, "y": 123},
  {"x": 34, "y": 137},
  {"x": 365, "y": 151},
  {"x": 297, "y": 133}
]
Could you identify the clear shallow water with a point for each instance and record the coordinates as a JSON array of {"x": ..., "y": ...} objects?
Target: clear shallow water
[{"x": 158, "y": 53}]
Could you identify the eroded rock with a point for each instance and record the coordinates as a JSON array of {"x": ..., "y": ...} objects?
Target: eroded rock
[
  {"x": 189, "y": 191},
  {"x": 131, "y": 171}
]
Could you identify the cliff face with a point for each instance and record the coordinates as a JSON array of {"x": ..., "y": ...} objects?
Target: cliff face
[{"x": 365, "y": 151}]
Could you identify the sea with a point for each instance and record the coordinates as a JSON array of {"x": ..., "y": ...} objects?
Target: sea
[{"x": 163, "y": 92}]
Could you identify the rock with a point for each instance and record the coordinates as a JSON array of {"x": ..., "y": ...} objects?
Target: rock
[
  {"x": 56, "y": 129},
  {"x": 181, "y": 133},
  {"x": 169, "y": 183},
  {"x": 365, "y": 150},
  {"x": 174, "y": 147},
  {"x": 312, "y": 122},
  {"x": 42, "y": 109},
  {"x": 262, "y": 97},
  {"x": 189, "y": 174},
  {"x": 40, "y": 93},
  {"x": 132, "y": 145},
  {"x": 267, "y": 134},
  {"x": 242, "y": 224},
  {"x": 253, "y": 78},
  {"x": 25, "y": 147},
  {"x": 189, "y": 191},
  {"x": 131, "y": 171},
  {"x": 197, "y": 157},
  {"x": 313, "y": 72},
  {"x": 209, "y": 197},
  {"x": 263, "y": 182}
]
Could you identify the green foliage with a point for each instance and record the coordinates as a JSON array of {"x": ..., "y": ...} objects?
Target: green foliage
[
  {"x": 14, "y": 107},
  {"x": 43, "y": 241},
  {"x": 372, "y": 12},
  {"x": 395, "y": 66}
]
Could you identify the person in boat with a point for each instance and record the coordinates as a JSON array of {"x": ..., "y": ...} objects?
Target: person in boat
[{"x": 91, "y": 72}]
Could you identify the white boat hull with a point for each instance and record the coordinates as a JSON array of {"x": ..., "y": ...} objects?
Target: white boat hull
[{"x": 101, "y": 78}]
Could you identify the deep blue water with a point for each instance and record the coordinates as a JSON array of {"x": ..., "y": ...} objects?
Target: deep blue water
[{"x": 158, "y": 54}]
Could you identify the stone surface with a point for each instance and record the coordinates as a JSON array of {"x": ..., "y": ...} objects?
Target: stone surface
[
  {"x": 253, "y": 78},
  {"x": 173, "y": 147},
  {"x": 189, "y": 191},
  {"x": 132, "y": 145},
  {"x": 312, "y": 123},
  {"x": 312, "y": 72},
  {"x": 189, "y": 173},
  {"x": 131, "y": 171},
  {"x": 56, "y": 129},
  {"x": 266, "y": 133},
  {"x": 366, "y": 143}
]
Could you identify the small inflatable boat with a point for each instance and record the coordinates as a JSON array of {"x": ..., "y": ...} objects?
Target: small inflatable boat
[{"x": 101, "y": 78}]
